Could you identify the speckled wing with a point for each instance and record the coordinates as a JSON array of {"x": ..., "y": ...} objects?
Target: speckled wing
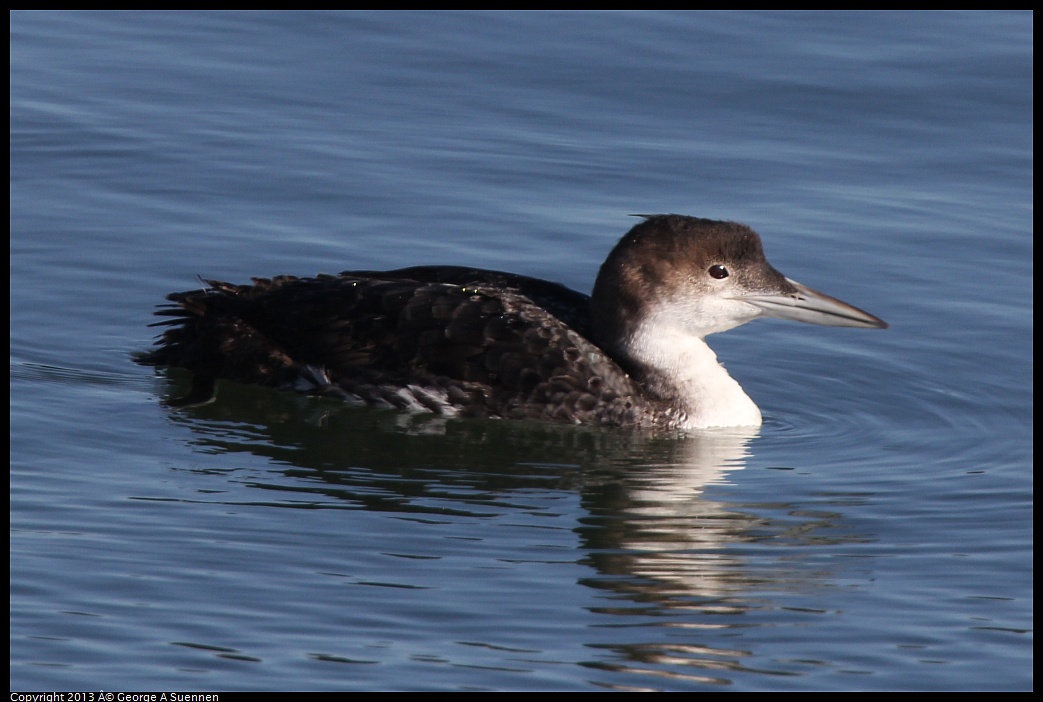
[{"x": 408, "y": 339}]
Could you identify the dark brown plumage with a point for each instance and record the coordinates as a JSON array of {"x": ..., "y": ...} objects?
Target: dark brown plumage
[{"x": 490, "y": 344}]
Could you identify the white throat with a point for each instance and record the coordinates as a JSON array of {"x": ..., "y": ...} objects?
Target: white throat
[{"x": 689, "y": 369}]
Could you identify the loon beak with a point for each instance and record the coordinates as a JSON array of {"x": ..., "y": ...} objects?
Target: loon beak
[{"x": 806, "y": 305}]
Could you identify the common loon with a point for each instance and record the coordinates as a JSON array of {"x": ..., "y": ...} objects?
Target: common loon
[{"x": 462, "y": 341}]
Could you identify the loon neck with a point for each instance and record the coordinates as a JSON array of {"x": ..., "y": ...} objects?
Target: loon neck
[{"x": 679, "y": 368}]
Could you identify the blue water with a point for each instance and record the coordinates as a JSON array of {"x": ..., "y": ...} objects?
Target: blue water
[{"x": 875, "y": 534}]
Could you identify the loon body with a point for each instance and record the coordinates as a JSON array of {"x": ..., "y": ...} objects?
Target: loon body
[{"x": 468, "y": 342}]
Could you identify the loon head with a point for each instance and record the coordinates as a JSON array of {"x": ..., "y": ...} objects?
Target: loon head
[{"x": 710, "y": 276}]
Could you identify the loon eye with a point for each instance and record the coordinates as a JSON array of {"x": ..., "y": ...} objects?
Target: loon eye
[{"x": 718, "y": 271}]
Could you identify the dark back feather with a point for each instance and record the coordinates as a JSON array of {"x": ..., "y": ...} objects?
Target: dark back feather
[{"x": 449, "y": 339}]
